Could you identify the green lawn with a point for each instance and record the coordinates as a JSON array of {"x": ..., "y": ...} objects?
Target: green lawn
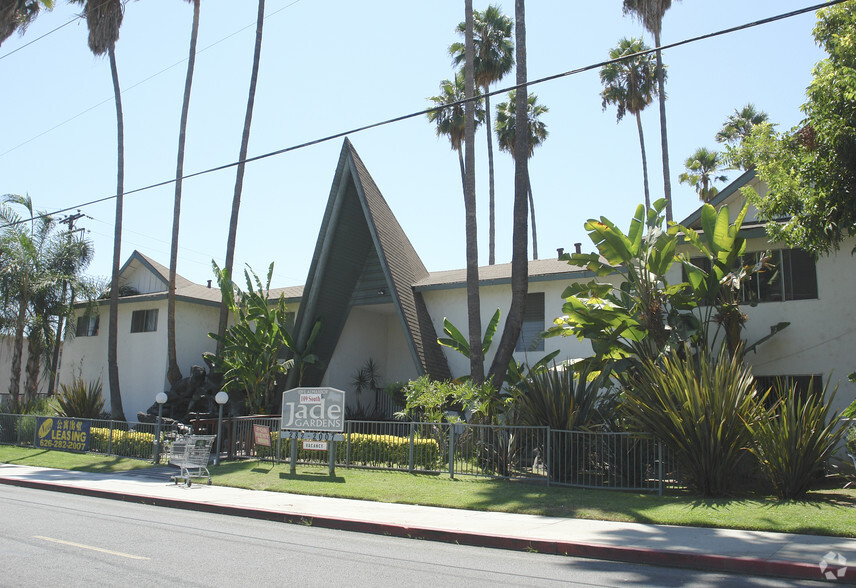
[{"x": 826, "y": 512}]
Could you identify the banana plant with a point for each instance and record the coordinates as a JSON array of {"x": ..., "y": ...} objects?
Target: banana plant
[{"x": 454, "y": 339}]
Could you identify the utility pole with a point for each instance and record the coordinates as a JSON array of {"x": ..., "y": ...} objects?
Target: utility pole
[{"x": 68, "y": 221}]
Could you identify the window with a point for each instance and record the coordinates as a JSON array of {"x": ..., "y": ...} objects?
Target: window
[
  {"x": 144, "y": 321},
  {"x": 789, "y": 275},
  {"x": 533, "y": 324},
  {"x": 87, "y": 326}
]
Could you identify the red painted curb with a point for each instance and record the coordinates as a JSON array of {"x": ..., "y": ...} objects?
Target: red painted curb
[{"x": 679, "y": 559}]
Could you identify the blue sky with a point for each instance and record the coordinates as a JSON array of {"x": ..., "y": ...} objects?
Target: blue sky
[{"x": 332, "y": 66}]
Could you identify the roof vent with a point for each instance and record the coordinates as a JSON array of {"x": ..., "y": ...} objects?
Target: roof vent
[
  {"x": 560, "y": 251},
  {"x": 578, "y": 247},
  {"x": 209, "y": 283}
]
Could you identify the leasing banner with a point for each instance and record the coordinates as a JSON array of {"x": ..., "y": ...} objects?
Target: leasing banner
[{"x": 63, "y": 434}]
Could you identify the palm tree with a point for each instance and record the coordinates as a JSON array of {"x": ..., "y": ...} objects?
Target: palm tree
[
  {"x": 104, "y": 19},
  {"x": 15, "y": 15},
  {"x": 650, "y": 13},
  {"x": 493, "y": 59},
  {"x": 505, "y": 134},
  {"x": 630, "y": 84},
  {"x": 519, "y": 238},
  {"x": 736, "y": 130},
  {"x": 34, "y": 264},
  {"x": 450, "y": 120},
  {"x": 239, "y": 180},
  {"x": 173, "y": 373},
  {"x": 701, "y": 169}
]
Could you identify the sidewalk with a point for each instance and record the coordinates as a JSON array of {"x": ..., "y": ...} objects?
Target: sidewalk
[{"x": 748, "y": 552}]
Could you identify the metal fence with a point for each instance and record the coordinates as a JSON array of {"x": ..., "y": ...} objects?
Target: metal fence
[
  {"x": 608, "y": 460},
  {"x": 119, "y": 438}
]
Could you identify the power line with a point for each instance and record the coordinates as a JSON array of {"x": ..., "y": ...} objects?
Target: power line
[
  {"x": 424, "y": 112},
  {"x": 131, "y": 87}
]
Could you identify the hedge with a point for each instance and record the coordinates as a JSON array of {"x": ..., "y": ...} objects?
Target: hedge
[
  {"x": 368, "y": 450},
  {"x": 125, "y": 443}
]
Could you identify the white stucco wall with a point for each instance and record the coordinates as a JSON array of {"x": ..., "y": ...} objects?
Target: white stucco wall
[
  {"x": 370, "y": 332},
  {"x": 452, "y": 304}
]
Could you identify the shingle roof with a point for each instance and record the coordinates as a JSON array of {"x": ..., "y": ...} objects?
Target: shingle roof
[
  {"x": 539, "y": 270},
  {"x": 356, "y": 221}
]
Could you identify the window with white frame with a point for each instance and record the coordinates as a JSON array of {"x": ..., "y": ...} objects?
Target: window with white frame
[
  {"x": 144, "y": 321},
  {"x": 87, "y": 326},
  {"x": 533, "y": 324}
]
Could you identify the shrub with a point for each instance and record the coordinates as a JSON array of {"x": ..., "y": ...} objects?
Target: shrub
[
  {"x": 851, "y": 440},
  {"x": 80, "y": 399},
  {"x": 793, "y": 443},
  {"x": 369, "y": 450},
  {"x": 701, "y": 407},
  {"x": 125, "y": 443}
]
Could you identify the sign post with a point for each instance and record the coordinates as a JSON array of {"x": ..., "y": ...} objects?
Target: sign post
[{"x": 316, "y": 414}]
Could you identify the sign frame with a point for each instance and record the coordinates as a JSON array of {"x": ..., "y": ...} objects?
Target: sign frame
[{"x": 313, "y": 409}]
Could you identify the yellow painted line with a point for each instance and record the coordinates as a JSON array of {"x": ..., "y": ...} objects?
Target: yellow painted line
[{"x": 81, "y": 546}]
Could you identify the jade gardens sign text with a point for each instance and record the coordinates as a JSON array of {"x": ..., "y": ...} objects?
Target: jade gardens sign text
[{"x": 313, "y": 409}]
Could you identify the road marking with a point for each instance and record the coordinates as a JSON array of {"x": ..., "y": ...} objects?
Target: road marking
[{"x": 81, "y": 546}]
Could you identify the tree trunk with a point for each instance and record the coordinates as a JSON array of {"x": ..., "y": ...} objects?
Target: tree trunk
[
  {"x": 239, "y": 180},
  {"x": 17, "y": 350},
  {"x": 34, "y": 356},
  {"x": 173, "y": 373},
  {"x": 491, "y": 254},
  {"x": 57, "y": 343},
  {"x": 644, "y": 162},
  {"x": 532, "y": 215},
  {"x": 116, "y": 410},
  {"x": 664, "y": 139},
  {"x": 473, "y": 295},
  {"x": 519, "y": 258}
]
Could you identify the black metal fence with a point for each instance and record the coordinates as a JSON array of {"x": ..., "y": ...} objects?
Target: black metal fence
[{"x": 607, "y": 460}]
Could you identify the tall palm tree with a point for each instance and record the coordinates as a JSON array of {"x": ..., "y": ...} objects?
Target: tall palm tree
[
  {"x": 471, "y": 225},
  {"x": 450, "y": 121},
  {"x": 239, "y": 179},
  {"x": 701, "y": 173},
  {"x": 104, "y": 19},
  {"x": 519, "y": 237},
  {"x": 736, "y": 130},
  {"x": 631, "y": 84},
  {"x": 15, "y": 15},
  {"x": 173, "y": 373},
  {"x": 505, "y": 135},
  {"x": 493, "y": 59},
  {"x": 650, "y": 13}
]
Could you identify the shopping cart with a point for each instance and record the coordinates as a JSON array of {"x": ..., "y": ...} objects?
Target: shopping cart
[{"x": 191, "y": 453}]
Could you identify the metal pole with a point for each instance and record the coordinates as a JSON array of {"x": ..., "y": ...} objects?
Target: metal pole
[
  {"x": 660, "y": 468},
  {"x": 219, "y": 435},
  {"x": 158, "y": 434},
  {"x": 451, "y": 451}
]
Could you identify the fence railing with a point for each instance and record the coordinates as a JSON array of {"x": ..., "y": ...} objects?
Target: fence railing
[
  {"x": 608, "y": 460},
  {"x": 119, "y": 438}
]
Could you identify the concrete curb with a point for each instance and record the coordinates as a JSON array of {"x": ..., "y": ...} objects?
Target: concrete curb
[{"x": 668, "y": 558}]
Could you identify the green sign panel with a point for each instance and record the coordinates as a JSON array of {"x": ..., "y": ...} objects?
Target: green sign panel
[{"x": 63, "y": 434}]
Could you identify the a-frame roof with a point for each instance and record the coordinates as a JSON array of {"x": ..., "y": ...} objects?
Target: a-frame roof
[{"x": 358, "y": 226}]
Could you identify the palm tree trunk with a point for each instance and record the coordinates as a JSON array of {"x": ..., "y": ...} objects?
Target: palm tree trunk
[
  {"x": 463, "y": 171},
  {"x": 18, "y": 349},
  {"x": 57, "y": 342},
  {"x": 116, "y": 410},
  {"x": 473, "y": 296},
  {"x": 532, "y": 215},
  {"x": 173, "y": 373},
  {"x": 664, "y": 139},
  {"x": 519, "y": 256},
  {"x": 491, "y": 254},
  {"x": 239, "y": 180},
  {"x": 644, "y": 161},
  {"x": 34, "y": 355}
]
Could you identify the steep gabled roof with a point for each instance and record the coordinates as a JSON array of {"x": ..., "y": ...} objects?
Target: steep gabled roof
[
  {"x": 357, "y": 226},
  {"x": 727, "y": 192}
]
